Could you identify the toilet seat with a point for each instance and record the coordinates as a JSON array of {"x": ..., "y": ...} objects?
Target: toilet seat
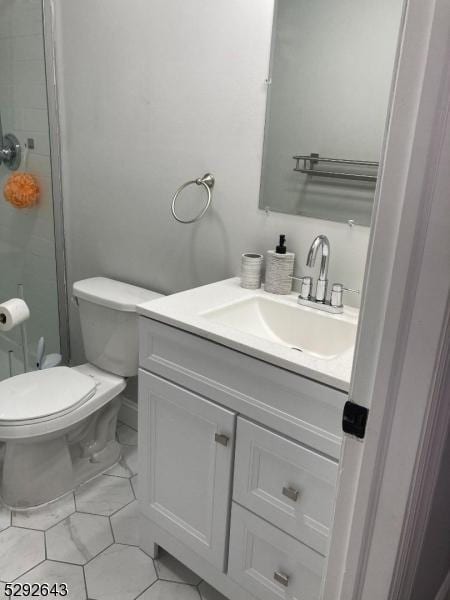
[
  {"x": 43, "y": 395},
  {"x": 107, "y": 387}
]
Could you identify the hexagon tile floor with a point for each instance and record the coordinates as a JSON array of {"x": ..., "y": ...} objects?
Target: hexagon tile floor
[{"x": 89, "y": 540}]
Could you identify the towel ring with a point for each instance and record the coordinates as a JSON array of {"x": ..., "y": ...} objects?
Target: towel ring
[{"x": 207, "y": 181}]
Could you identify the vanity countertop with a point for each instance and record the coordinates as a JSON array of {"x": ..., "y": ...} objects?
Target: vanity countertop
[{"x": 187, "y": 311}]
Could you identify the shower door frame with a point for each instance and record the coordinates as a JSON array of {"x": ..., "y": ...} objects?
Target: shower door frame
[{"x": 56, "y": 175}]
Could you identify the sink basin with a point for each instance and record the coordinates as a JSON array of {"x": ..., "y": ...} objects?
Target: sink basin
[
  {"x": 291, "y": 325},
  {"x": 275, "y": 329}
]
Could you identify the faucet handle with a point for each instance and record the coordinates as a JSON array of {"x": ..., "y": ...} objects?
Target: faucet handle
[
  {"x": 337, "y": 292},
  {"x": 305, "y": 288}
]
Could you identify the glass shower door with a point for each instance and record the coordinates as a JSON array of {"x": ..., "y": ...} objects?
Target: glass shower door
[{"x": 27, "y": 225}]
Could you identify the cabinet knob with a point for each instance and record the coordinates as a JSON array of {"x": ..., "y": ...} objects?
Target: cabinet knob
[
  {"x": 290, "y": 493},
  {"x": 221, "y": 438},
  {"x": 281, "y": 578}
]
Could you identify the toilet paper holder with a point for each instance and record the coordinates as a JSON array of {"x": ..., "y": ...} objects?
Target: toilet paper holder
[{"x": 23, "y": 314}]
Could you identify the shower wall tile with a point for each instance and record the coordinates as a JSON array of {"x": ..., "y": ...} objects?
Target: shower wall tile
[
  {"x": 27, "y": 20},
  {"x": 27, "y": 236},
  {"x": 5, "y": 26},
  {"x": 7, "y": 117},
  {"x": 29, "y": 71},
  {"x": 28, "y": 47},
  {"x": 39, "y": 163},
  {"x": 30, "y": 120},
  {"x": 27, "y": 95},
  {"x": 6, "y": 54},
  {"x": 35, "y": 120},
  {"x": 6, "y": 93}
]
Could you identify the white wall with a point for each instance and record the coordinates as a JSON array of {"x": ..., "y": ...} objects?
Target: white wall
[
  {"x": 27, "y": 245},
  {"x": 156, "y": 92}
]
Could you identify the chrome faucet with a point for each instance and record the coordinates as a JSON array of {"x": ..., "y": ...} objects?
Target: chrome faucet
[
  {"x": 321, "y": 241},
  {"x": 320, "y": 302},
  {"x": 10, "y": 149}
]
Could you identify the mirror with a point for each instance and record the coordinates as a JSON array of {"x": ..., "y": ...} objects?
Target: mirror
[{"x": 329, "y": 85}]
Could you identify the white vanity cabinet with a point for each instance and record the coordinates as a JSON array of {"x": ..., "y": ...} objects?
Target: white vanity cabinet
[
  {"x": 238, "y": 465},
  {"x": 186, "y": 465}
]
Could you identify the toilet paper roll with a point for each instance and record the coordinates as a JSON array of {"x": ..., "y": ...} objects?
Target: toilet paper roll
[{"x": 12, "y": 313}]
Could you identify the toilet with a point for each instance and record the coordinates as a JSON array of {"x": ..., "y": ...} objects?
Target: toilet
[{"x": 58, "y": 426}]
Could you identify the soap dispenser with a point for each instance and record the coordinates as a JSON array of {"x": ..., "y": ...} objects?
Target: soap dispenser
[{"x": 279, "y": 269}]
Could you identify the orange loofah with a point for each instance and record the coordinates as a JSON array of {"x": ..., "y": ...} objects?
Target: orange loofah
[{"x": 22, "y": 190}]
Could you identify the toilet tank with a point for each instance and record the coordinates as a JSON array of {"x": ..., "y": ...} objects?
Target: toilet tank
[{"x": 109, "y": 322}]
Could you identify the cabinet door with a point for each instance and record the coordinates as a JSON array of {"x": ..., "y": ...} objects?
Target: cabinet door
[{"x": 185, "y": 453}]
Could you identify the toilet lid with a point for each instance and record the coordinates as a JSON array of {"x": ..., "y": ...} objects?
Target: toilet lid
[{"x": 40, "y": 394}]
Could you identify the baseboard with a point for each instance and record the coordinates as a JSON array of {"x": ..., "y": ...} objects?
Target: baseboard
[
  {"x": 444, "y": 590},
  {"x": 128, "y": 413}
]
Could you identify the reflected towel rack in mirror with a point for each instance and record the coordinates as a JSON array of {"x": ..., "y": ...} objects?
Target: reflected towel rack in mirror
[{"x": 311, "y": 160}]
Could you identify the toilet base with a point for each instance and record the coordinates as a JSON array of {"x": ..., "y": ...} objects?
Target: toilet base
[{"x": 39, "y": 470}]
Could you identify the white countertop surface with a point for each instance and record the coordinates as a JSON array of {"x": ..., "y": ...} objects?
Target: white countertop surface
[{"x": 183, "y": 310}]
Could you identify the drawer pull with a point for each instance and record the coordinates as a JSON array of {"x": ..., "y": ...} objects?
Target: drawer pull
[
  {"x": 291, "y": 493},
  {"x": 221, "y": 438},
  {"x": 281, "y": 578}
]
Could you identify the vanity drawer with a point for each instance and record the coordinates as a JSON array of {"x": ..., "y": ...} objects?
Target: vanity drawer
[
  {"x": 298, "y": 407},
  {"x": 270, "y": 564},
  {"x": 285, "y": 483}
]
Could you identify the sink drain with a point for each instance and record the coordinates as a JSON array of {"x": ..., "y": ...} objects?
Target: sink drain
[{"x": 295, "y": 348}]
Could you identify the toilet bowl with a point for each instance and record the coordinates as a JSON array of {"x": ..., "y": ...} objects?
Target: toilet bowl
[{"x": 58, "y": 425}]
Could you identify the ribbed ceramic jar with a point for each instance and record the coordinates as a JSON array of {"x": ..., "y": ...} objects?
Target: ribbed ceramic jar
[{"x": 251, "y": 270}]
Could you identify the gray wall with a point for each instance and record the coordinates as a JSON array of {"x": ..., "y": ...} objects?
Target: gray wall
[{"x": 153, "y": 93}]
